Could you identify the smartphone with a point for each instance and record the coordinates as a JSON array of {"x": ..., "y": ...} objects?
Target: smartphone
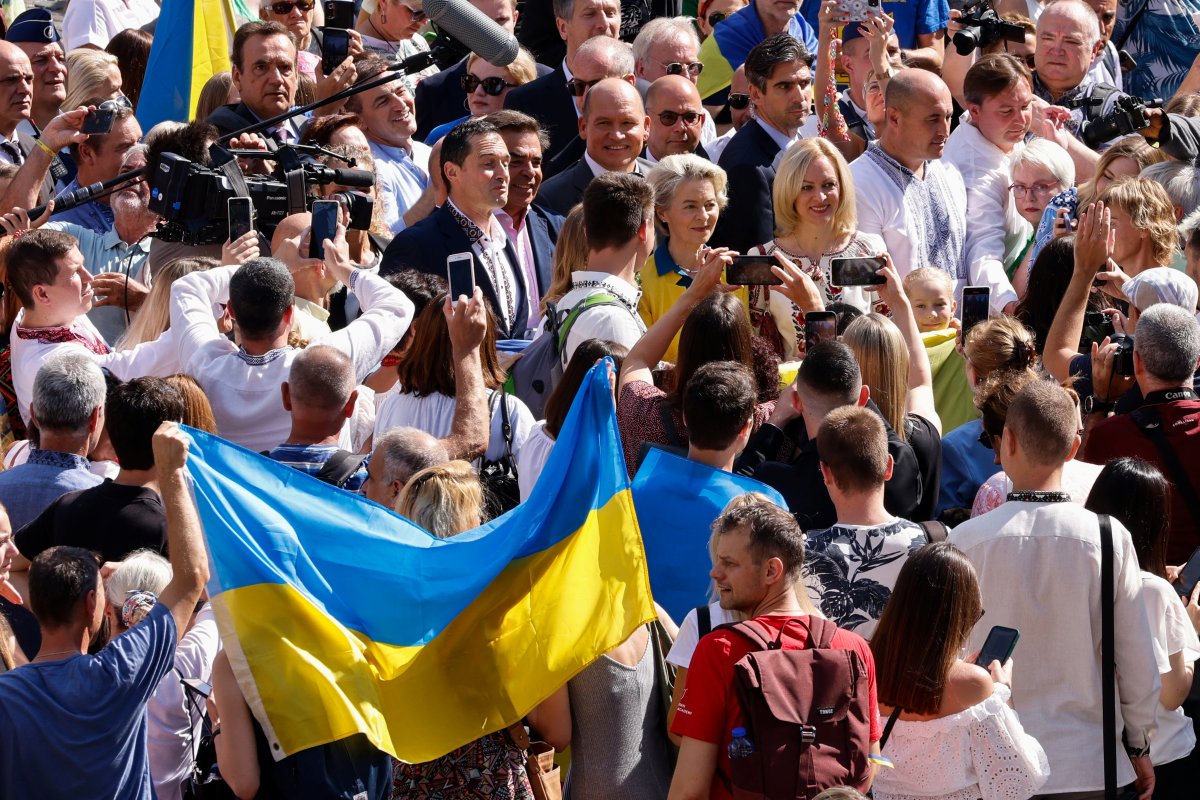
[
  {"x": 98, "y": 121},
  {"x": 459, "y": 286},
  {"x": 856, "y": 271},
  {"x": 339, "y": 13},
  {"x": 998, "y": 646},
  {"x": 197, "y": 686},
  {"x": 752, "y": 271},
  {"x": 241, "y": 217},
  {"x": 335, "y": 48},
  {"x": 1096, "y": 326},
  {"x": 819, "y": 326},
  {"x": 859, "y": 10},
  {"x": 1189, "y": 575},
  {"x": 324, "y": 226},
  {"x": 976, "y": 307}
]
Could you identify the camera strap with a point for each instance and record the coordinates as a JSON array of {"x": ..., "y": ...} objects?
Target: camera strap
[
  {"x": 1133, "y": 20},
  {"x": 1150, "y": 423},
  {"x": 224, "y": 162}
]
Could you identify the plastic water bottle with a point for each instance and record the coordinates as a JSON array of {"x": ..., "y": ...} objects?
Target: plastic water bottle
[{"x": 740, "y": 747}]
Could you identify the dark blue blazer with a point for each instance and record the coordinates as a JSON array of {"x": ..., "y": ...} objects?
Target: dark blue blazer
[
  {"x": 548, "y": 100},
  {"x": 440, "y": 97},
  {"x": 425, "y": 246},
  {"x": 543, "y": 226},
  {"x": 749, "y": 218}
]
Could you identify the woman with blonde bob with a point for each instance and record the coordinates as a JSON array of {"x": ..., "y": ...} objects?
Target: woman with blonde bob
[
  {"x": 1143, "y": 223},
  {"x": 92, "y": 74},
  {"x": 444, "y": 500},
  {"x": 815, "y": 221}
]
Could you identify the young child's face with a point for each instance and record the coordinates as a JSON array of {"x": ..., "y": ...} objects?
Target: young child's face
[{"x": 933, "y": 305}]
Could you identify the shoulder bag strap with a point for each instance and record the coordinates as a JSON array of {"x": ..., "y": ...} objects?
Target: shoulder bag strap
[
  {"x": 703, "y": 621},
  {"x": 1133, "y": 20},
  {"x": 887, "y": 728},
  {"x": 752, "y": 631},
  {"x": 338, "y": 469},
  {"x": 1150, "y": 423},
  {"x": 821, "y": 632},
  {"x": 1108, "y": 658}
]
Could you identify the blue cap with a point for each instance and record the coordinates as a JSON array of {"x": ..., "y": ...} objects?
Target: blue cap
[
  {"x": 34, "y": 25},
  {"x": 851, "y": 31}
]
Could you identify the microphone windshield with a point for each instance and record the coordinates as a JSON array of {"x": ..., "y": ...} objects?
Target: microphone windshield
[{"x": 469, "y": 25}]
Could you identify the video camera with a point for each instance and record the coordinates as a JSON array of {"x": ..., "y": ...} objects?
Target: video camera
[
  {"x": 192, "y": 198},
  {"x": 982, "y": 27},
  {"x": 1128, "y": 116}
]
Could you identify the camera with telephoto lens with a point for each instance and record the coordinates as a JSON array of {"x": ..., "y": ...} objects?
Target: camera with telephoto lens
[
  {"x": 982, "y": 27},
  {"x": 1123, "y": 358},
  {"x": 1128, "y": 116}
]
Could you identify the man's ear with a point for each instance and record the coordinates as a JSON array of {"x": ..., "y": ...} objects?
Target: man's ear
[
  {"x": 287, "y": 396},
  {"x": 644, "y": 229},
  {"x": 583, "y": 127},
  {"x": 891, "y": 465},
  {"x": 561, "y": 25},
  {"x": 864, "y": 394},
  {"x": 96, "y": 418},
  {"x": 348, "y": 409},
  {"x": 774, "y": 569},
  {"x": 827, "y": 474}
]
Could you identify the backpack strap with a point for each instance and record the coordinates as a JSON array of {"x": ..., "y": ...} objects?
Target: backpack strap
[
  {"x": 1099, "y": 92},
  {"x": 820, "y": 633},
  {"x": 505, "y": 428},
  {"x": 703, "y": 621},
  {"x": 1150, "y": 424},
  {"x": 591, "y": 301},
  {"x": 340, "y": 466},
  {"x": 819, "y": 630},
  {"x": 934, "y": 530}
]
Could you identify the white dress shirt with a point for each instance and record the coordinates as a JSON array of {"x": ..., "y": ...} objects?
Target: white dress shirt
[
  {"x": 434, "y": 414},
  {"x": 618, "y": 322},
  {"x": 96, "y": 22},
  {"x": 402, "y": 178}
]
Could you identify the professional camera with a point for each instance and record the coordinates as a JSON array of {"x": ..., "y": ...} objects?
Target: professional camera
[
  {"x": 982, "y": 27},
  {"x": 192, "y": 198},
  {"x": 1123, "y": 358},
  {"x": 1127, "y": 116}
]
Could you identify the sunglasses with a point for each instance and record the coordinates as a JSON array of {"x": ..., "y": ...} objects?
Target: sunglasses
[
  {"x": 676, "y": 68},
  {"x": 578, "y": 88},
  {"x": 284, "y": 8},
  {"x": 669, "y": 118},
  {"x": 716, "y": 17},
  {"x": 985, "y": 439},
  {"x": 417, "y": 13},
  {"x": 739, "y": 102},
  {"x": 118, "y": 102},
  {"x": 493, "y": 86}
]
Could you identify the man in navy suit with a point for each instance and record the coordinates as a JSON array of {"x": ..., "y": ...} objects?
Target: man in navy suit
[
  {"x": 474, "y": 165},
  {"x": 548, "y": 99},
  {"x": 780, "y": 76},
  {"x": 613, "y": 127}
]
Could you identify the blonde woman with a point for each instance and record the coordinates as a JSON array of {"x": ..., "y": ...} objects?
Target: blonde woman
[
  {"x": 486, "y": 86},
  {"x": 815, "y": 222},
  {"x": 570, "y": 254},
  {"x": 154, "y": 317},
  {"x": 391, "y": 28},
  {"x": 92, "y": 74},
  {"x": 444, "y": 500}
]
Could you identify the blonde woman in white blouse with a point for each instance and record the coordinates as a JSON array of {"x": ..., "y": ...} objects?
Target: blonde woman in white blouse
[{"x": 956, "y": 737}]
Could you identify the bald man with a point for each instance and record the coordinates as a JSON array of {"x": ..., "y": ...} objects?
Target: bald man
[
  {"x": 16, "y": 100},
  {"x": 313, "y": 280},
  {"x": 613, "y": 126},
  {"x": 676, "y": 118}
]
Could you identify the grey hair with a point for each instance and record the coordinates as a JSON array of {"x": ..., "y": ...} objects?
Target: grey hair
[
  {"x": 1079, "y": 7},
  {"x": 614, "y": 52},
  {"x": 669, "y": 174},
  {"x": 1168, "y": 342},
  {"x": 1048, "y": 155},
  {"x": 321, "y": 377},
  {"x": 1189, "y": 228},
  {"x": 68, "y": 388},
  {"x": 139, "y": 149},
  {"x": 564, "y": 9},
  {"x": 141, "y": 570},
  {"x": 1182, "y": 182},
  {"x": 403, "y": 452},
  {"x": 663, "y": 29}
]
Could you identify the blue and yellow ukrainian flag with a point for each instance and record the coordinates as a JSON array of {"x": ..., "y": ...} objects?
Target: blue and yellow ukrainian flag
[
  {"x": 341, "y": 617},
  {"x": 734, "y": 38},
  {"x": 192, "y": 42}
]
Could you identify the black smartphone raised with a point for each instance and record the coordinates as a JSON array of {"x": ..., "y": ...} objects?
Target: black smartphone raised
[
  {"x": 976, "y": 307},
  {"x": 856, "y": 271},
  {"x": 241, "y": 217},
  {"x": 1189, "y": 575},
  {"x": 1096, "y": 326},
  {"x": 998, "y": 646},
  {"x": 324, "y": 226},
  {"x": 339, "y": 13},
  {"x": 98, "y": 121},
  {"x": 752, "y": 271},
  {"x": 819, "y": 326},
  {"x": 335, "y": 48}
]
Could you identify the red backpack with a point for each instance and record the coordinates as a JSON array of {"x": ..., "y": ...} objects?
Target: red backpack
[{"x": 806, "y": 713}]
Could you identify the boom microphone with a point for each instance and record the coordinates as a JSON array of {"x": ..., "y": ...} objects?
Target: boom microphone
[
  {"x": 68, "y": 200},
  {"x": 469, "y": 25}
]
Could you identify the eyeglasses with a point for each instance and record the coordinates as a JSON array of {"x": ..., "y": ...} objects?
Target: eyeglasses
[
  {"x": 669, "y": 118},
  {"x": 493, "y": 86},
  {"x": 1020, "y": 190},
  {"x": 985, "y": 439},
  {"x": 716, "y": 17},
  {"x": 417, "y": 13},
  {"x": 739, "y": 102},
  {"x": 578, "y": 87},
  {"x": 678, "y": 68},
  {"x": 282, "y": 9}
]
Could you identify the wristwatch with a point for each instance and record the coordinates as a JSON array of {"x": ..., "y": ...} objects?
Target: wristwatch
[
  {"x": 1138, "y": 752},
  {"x": 1094, "y": 405}
]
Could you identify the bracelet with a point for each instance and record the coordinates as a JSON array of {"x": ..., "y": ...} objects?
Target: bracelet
[{"x": 45, "y": 147}]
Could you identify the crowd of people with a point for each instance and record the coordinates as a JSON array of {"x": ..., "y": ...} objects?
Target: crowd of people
[{"x": 900, "y": 302}]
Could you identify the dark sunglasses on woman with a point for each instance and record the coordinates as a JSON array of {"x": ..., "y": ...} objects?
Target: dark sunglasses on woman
[{"x": 492, "y": 86}]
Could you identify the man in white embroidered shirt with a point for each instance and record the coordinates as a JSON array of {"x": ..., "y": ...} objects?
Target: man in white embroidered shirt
[
  {"x": 1038, "y": 560},
  {"x": 242, "y": 380}
]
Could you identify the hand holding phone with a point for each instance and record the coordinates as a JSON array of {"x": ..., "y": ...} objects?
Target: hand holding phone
[
  {"x": 241, "y": 217},
  {"x": 998, "y": 646},
  {"x": 976, "y": 307},
  {"x": 856, "y": 271},
  {"x": 98, "y": 121},
  {"x": 1189, "y": 576},
  {"x": 460, "y": 275},
  {"x": 335, "y": 48},
  {"x": 819, "y": 326},
  {"x": 324, "y": 226},
  {"x": 752, "y": 271}
]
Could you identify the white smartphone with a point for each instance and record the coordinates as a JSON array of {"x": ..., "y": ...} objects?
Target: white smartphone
[{"x": 458, "y": 286}]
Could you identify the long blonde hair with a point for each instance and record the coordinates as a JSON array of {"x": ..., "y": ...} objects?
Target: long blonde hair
[
  {"x": 879, "y": 349},
  {"x": 89, "y": 71},
  {"x": 154, "y": 317},
  {"x": 444, "y": 500},
  {"x": 790, "y": 177},
  {"x": 570, "y": 254}
]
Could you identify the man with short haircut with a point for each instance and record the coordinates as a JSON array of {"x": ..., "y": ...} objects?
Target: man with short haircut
[
  {"x": 264, "y": 73},
  {"x": 98, "y": 158},
  {"x": 387, "y": 116},
  {"x": 1038, "y": 560},
  {"x": 1164, "y": 429},
  {"x": 829, "y": 378},
  {"x": 398, "y": 455},
  {"x": 474, "y": 163},
  {"x": 548, "y": 98},
  {"x": 34, "y": 32},
  {"x": 16, "y": 100},
  {"x": 852, "y": 567},
  {"x": 618, "y": 221},
  {"x": 613, "y": 126},
  {"x": 125, "y": 513},
  {"x": 780, "y": 78},
  {"x": 670, "y": 46},
  {"x": 89, "y": 711},
  {"x": 676, "y": 119},
  {"x": 758, "y": 558}
]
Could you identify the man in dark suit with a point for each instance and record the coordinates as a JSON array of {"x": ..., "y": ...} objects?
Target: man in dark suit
[
  {"x": 474, "y": 164},
  {"x": 780, "y": 77},
  {"x": 548, "y": 99},
  {"x": 676, "y": 119},
  {"x": 264, "y": 72},
  {"x": 613, "y": 127},
  {"x": 532, "y": 230}
]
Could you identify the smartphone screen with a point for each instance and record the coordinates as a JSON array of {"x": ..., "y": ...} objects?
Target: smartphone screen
[
  {"x": 324, "y": 226},
  {"x": 752, "y": 271},
  {"x": 976, "y": 307},
  {"x": 241, "y": 217},
  {"x": 1096, "y": 326},
  {"x": 856, "y": 271},
  {"x": 335, "y": 47},
  {"x": 339, "y": 13},
  {"x": 998, "y": 646},
  {"x": 97, "y": 121},
  {"x": 461, "y": 279},
  {"x": 1189, "y": 575},
  {"x": 819, "y": 326}
]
